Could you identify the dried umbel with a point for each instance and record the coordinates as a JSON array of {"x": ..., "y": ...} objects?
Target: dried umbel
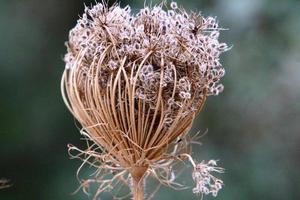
[{"x": 135, "y": 84}]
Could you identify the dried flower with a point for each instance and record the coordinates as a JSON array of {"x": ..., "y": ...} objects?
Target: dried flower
[
  {"x": 206, "y": 183},
  {"x": 174, "y": 5},
  {"x": 135, "y": 83}
]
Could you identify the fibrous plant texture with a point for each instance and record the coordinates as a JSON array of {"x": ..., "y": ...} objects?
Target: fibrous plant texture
[{"x": 135, "y": 83}]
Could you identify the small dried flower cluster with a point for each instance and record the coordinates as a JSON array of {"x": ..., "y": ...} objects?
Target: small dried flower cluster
[
  {"x": 183, "y": 47},
  {"x": 205, "y": 182}
]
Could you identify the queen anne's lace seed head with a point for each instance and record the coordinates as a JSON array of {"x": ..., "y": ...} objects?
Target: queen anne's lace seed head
[
  {"x": 174, "y": 35},
  {"x": 162, "y": 62}
]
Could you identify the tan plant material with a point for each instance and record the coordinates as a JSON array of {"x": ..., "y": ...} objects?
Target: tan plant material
[
  {"x": 4, "y": 183},
  {"x": 135, "y": 83}
]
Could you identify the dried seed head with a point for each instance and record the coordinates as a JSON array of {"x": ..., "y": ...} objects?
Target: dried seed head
[{"x": 136, "y": 82}]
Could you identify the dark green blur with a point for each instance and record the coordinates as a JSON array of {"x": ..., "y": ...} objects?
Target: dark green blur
[{"x": 254, "y": 126}]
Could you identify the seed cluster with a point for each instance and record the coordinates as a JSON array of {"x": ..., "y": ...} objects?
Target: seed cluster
[
  {"x": 182, "y": 51},
  {"x": 205, "y": 182}
]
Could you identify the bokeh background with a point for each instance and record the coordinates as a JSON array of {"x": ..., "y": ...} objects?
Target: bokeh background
[{"x": 253, "y": 127}]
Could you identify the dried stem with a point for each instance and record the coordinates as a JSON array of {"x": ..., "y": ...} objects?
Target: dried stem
[
  {"x": 138, "y": 189},
  {"x": 138, "y": 175}
]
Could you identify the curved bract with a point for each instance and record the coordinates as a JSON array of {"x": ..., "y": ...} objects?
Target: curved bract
[{"x": 133, "y": 131}]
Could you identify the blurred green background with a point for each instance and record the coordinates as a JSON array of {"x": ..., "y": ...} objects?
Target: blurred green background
[{"x": 254, "y": 126}]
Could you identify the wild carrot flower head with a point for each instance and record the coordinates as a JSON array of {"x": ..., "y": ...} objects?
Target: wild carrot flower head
[{"x": 136, "y": 82}]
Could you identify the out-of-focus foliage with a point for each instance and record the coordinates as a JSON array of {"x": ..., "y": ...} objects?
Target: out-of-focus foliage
[{"x": 254, "y": 126}]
